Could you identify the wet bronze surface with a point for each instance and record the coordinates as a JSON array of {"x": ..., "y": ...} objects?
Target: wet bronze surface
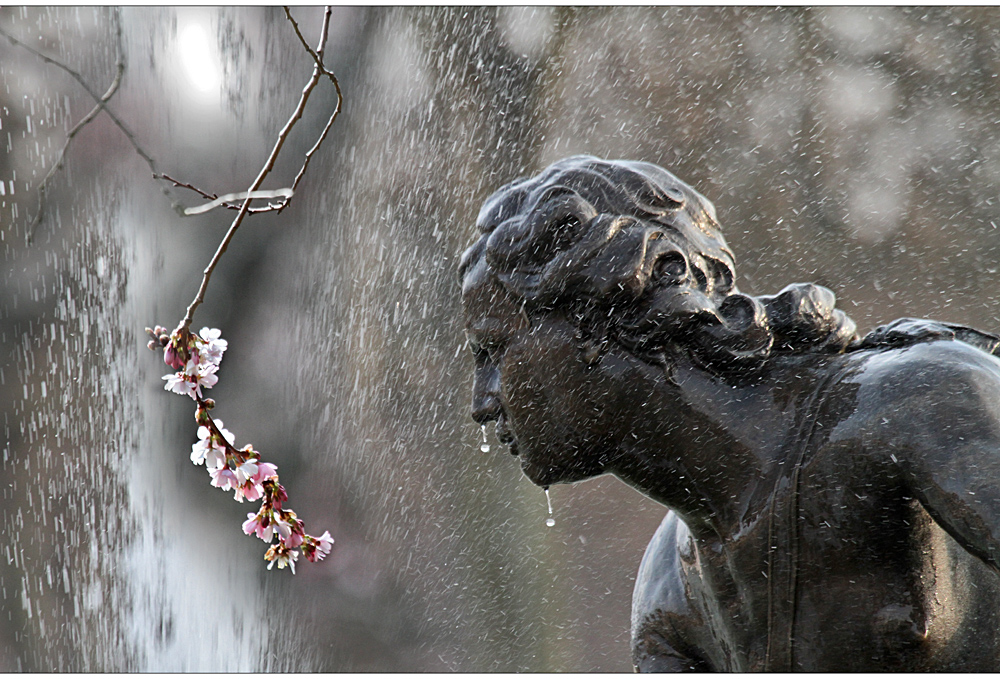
[{"x": 834, "y": 499}]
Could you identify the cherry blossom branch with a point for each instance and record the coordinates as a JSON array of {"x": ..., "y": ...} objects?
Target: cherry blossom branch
[{"x": 197, "y": 357}]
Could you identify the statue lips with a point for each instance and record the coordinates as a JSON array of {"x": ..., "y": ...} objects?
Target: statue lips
[{"x": 505, "y": 436}]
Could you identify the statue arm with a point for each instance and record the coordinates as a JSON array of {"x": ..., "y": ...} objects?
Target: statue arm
[
  {"x": 949, "y": 453},
  {"x": 651, "y": 652},
  {"x": 662, "y": 620}
]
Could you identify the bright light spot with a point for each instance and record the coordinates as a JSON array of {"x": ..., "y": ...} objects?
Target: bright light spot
[{"x": 200, "y": 65}]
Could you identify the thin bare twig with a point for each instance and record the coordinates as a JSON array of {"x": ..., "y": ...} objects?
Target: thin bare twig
[
  {"x": 265, "y": 170},
  {"x": 178, "y": 183},
  {"x": 318, "y": 69},
  {"x": 101, "y": 102},
  {"x": 212, "y": 196},
  {"x": 43, "y": 185}
]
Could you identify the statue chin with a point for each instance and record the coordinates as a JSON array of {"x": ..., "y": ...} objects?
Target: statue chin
[
  {"x": 546, "y": 475},
  {"x": 542, "y": 469}
]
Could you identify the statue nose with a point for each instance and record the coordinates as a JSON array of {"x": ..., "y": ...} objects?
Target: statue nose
[{"x": 486, "y": 394}]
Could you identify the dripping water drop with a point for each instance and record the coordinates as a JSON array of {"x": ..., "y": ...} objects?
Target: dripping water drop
[
  {"x": 548, "y": 500},
  {"x": 484, "y": 446}
]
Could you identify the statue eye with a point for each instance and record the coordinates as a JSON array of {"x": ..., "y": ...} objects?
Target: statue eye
[{"x": 670, "y": 268}]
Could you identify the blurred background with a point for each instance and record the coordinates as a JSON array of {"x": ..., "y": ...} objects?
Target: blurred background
[{"x": 853, "y": 147}]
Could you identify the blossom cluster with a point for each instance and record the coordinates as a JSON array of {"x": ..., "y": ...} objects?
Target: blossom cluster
[{"x": 196, "y": 358}]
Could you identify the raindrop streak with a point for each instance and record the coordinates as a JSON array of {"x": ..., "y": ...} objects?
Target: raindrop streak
[
  {"x": 485, "y": 447},
  {"x": 548, "y": 500}
]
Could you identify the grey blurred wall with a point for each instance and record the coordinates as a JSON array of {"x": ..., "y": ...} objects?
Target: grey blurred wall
[{"x": 854, "y": 147}]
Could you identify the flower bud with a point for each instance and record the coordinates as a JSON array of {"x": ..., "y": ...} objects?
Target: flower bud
[
  {"x": 152, "y": 345},
  {"x": 209, "y": 403},
  {"x": 175, "y": 355}
]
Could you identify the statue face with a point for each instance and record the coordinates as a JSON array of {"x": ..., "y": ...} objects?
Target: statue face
[{"x": 531, "y": 379}]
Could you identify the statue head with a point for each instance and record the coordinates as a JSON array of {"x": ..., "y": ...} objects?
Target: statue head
[{"x": 629, "y": 256}]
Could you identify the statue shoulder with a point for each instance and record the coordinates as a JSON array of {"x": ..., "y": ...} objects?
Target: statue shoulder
[
  {"x": 925, "y": 372},
  {"x": 924, "y": 351},
  {"x": 904, "y": 332}
]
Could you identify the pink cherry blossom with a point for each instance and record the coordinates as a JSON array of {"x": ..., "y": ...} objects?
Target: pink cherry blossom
[
  {"x": 215, "y": 346},
  {"x": 208, "y": 451},
  {"x": 191, "y": 367},
  {"x": 294, "y": 538},
  {"x": 265, "y": 470},
  {"x": 206, "y": 377},
  {"x": 323, "y": 546},
  {"x": 179, "y": 384},
  {"x": 315, "y": 548},
  {"x": 172, "y": 357},
  {"x": 246, "y": 471},
  {"x": 252, "y": 524},
  {"x": 260, "y": 525},
  {"x": 282, "y": 526},
  {"x": 200, "y": 450},
  {"x": 249, "y": 490},
  {"x": 223, "y": 478},
  {"x": 215, "y": 458},
  {"x": 281, "y": 555},
  {"x": 279, "y": 496},
  {"x": 255, "y": 524}
]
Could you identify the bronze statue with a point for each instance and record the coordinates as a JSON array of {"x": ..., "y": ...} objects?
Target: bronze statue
[{"x": 834, "y": 499}]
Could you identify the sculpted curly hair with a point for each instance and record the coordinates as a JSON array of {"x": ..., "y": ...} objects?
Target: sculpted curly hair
[{"x": 636, "y": 256}]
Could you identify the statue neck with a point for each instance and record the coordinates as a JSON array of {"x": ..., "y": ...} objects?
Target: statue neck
[{"x": 711, "y": 452}]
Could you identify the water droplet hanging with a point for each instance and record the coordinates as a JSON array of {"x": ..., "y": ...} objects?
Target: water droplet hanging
[
  {"x": 548, "y": 500},
  {"x": 484, "y": 446}
]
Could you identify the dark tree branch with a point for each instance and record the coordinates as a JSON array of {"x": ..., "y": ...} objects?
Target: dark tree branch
[{"x": 318, "y": 70}]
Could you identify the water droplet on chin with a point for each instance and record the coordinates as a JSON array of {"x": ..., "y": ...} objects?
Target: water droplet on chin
[{"x": 485, "y": 447}]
